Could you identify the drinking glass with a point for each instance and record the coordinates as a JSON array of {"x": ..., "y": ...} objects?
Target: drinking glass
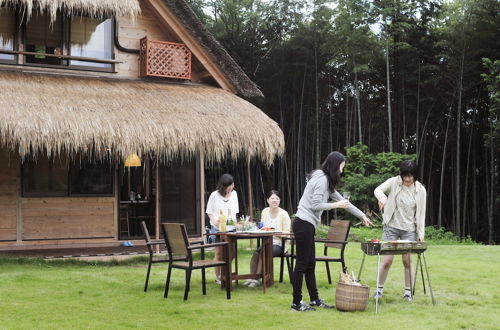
[{"x": 346, "y": 195}]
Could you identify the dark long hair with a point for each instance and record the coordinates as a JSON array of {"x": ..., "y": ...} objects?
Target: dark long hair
[
  {"x": 331, "y": 168},
  {"x": 225, "y": 181},
  {"x": 408, "y": 167}
]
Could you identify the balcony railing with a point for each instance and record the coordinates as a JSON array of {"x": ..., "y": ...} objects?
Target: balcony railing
[{"x": 165, "y": 59}]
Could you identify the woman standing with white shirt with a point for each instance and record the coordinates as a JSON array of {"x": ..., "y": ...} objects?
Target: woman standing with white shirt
[{"x": 223, "y": 199}]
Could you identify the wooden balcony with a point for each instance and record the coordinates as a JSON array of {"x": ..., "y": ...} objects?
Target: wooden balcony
[{"x": 165, "y": 59}]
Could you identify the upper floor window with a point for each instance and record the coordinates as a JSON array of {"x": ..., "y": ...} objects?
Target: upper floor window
[
  {"x": 91, "y": 37},
  {"x": 7, "y": 32},
  {"x": 44, "y": 37},
  {"x": 43, "y": 41}
]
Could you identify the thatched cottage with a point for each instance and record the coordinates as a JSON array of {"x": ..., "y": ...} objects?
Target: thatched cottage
[{"x": 108, "y": 112}]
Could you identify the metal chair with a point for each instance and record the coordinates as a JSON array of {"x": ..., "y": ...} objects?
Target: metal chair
[
  {"x": 178, "y": 246},
  {"x": 336, "y": 239}
]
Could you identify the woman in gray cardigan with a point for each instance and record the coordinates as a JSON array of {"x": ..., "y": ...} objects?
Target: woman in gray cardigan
[
  {"x": 321, "y": 187},
  {"x": 403, "y": 201}
]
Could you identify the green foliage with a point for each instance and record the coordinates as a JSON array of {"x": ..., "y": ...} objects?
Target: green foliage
[
  {"x": 365, "y": 171},
  {"x": 433, "y": 235},
  {"x": 314, "y": 60},
  {"x": 492, "y": 78},
  {"x": 441, "y": 236}
]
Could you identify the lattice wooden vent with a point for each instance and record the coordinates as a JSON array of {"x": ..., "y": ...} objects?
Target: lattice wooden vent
[{"x": 165, "y": 59}]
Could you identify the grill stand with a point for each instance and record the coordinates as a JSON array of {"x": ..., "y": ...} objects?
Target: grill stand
[{"x": 421, "y": 255}]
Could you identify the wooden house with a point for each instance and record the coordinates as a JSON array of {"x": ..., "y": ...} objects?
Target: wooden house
[{"x": 108, "y": 112}]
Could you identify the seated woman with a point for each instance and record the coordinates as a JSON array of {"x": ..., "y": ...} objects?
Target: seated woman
[{"x": 272, "y": 217}]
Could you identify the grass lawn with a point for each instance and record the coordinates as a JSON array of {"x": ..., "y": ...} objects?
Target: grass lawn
[{"x": 72, "y": 294}]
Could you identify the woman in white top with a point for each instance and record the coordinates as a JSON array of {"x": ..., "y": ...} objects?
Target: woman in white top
[
  {"x": 403, "y": 202},
  {"x": 271, "y": 217},
  {"x": 223, "y": 199}
]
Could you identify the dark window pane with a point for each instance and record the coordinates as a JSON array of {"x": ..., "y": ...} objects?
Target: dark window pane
[
  {"x": 7, "y": 26},
  {"x": 91, "y": 37},
  {"x": 91, "y": 179},
  {"x": 44, "y": 36},
  {"x": 45, "y": 176}
]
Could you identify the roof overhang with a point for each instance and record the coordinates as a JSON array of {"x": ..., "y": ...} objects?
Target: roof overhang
[
  {"x": 93, "y": 8},
  {"x": 114, "y": 118}
]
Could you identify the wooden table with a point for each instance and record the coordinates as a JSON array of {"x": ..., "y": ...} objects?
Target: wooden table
[{"x": 266, "y": 255}]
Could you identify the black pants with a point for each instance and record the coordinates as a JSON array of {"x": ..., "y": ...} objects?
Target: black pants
[{"x": 305, "y": 260}]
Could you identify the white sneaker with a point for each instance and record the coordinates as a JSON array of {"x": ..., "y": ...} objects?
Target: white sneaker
[
  {"x": 254, "y": 284},
  {"x": 407, "y": 297},
  {"x": 217, "y": 280},
  {"x": 247, "y": 282},
  {"x": 378, "y": 294}
]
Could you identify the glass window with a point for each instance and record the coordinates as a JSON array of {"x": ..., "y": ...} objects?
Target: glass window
[
  {"x": 44, "y": 37},
  {"x": 91, "y": 38},
  {"x": 44, "y": 176},
  {"x": 49, "y": 177},
  {"x": 91, "y": 179},
  {"x": 7, "y": 30}
]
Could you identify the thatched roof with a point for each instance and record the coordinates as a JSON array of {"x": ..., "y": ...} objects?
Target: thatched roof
[
  {"x": 59, "y": 114},
  {"x": 244, "y": 86},
  {"x": 93, "y": 8}
]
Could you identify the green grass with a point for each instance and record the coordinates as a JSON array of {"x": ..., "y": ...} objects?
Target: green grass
[{"x": 74, "y": 294}]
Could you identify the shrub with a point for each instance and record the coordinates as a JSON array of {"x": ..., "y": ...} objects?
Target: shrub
[{"x": 433, "y": 235}]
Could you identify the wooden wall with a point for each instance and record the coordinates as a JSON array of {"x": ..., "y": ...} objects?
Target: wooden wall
[
  {"x": 129, "y": 35},
  {"x": 68, "y": 217},
  {"x": 9, "y": 192}
]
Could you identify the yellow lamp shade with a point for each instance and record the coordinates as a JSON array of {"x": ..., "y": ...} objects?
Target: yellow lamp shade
[{"x": 133, "y": 160}]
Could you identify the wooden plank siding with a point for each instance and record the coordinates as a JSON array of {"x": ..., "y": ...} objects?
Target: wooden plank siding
[
  {"x": 68, "y": 218},
  {"x": 129, "y": 35},
  {"x": 9, "y": 192}
]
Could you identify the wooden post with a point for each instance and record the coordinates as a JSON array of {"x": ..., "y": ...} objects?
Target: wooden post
[
  {"x": 250, "y": 199},
  {"x": 157, "y": 205}
]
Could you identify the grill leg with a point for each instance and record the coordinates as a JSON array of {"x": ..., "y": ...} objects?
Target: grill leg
[
  {"x": 422, "y": 273},
  {"x": 416, "y": 273},
  {"x": 378, "y": 276},
  {"x": 361, "y": 267},
  {"x": 428, "y": 279}
]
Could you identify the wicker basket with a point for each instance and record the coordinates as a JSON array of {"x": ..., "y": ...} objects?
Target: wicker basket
[{"x": 351, "y": 298}]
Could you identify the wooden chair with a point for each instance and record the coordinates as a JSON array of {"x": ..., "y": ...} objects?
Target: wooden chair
[
  {"x": 336, "y": 239},
  {"x": 178, "y": 246},
  {"x": 287, "y": 256},
  {"x": 154, "y": 256}
]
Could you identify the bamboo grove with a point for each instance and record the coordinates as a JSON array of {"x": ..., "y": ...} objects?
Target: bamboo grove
[{"x": 417, "y": 77}]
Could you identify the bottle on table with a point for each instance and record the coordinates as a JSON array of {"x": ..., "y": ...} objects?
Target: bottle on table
[
  {"x": 222, "y": 221},
  {"x": 230, "y": 221}
]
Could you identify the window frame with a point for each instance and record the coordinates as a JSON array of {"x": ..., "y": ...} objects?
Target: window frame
[
  {"x": 68, "y": 193},
  {"x": 85, "y": 67},
  {"x": 15, "y": 46},
  {"x": 20, "y": 36},
  {"x": 63, "y": 36}
]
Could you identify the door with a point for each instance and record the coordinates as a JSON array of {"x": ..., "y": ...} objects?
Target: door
[{"x": 179, "y": 191}]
